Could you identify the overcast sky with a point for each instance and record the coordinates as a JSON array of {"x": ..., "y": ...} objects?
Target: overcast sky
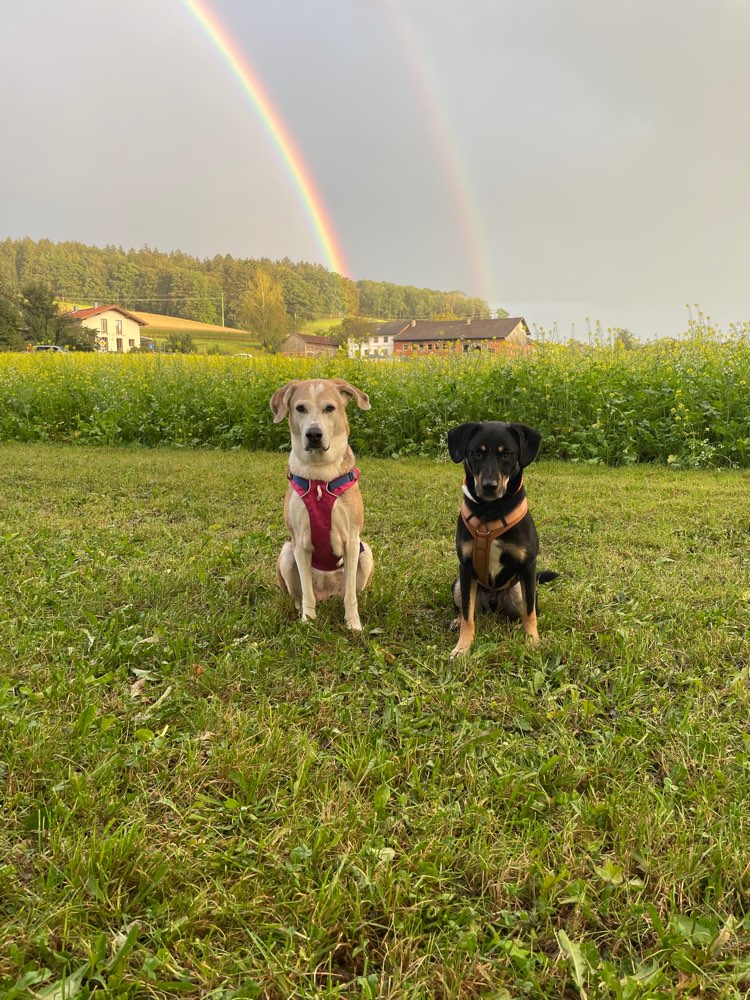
[{"x": 562, "y": 158}]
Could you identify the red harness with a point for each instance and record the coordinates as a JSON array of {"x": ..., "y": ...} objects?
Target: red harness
[{"x": 319, "y": 497}]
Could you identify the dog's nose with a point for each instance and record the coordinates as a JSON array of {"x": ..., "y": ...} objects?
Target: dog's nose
[
  {"x": 489, "y": 486},
  {"x": 314, "y": 435}
]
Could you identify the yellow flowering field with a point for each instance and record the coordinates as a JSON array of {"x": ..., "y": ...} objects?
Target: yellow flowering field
[{"x": 684, "y": 403}]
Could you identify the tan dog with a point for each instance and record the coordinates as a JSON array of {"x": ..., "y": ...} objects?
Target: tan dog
[{"x": 323, "y": 505}]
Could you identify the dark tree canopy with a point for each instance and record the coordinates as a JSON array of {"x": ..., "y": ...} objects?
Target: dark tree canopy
[
  {"x": 11, "y": 337},
  {"x": 176, "y": 284},
  {"x": 45, "y": 322}
]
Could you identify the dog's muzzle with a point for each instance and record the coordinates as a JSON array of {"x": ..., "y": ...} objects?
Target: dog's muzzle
[
  {"x": 314, "y": 439},
  {"x": 489, "y": 490}
]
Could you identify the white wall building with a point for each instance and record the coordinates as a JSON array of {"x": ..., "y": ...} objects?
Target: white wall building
[
  {"x": 380, "y": 344},
  {"x": 117, "y": 330}
]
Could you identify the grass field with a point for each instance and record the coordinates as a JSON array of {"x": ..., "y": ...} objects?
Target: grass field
[
  {"x": 201, "y": 796},
  {"x": 205, "y": 335}
]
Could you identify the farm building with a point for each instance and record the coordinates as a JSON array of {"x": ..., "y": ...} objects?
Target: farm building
[
  {"x": 308, "y": 345},
  {"x": 425, "y": 336},
  {"x": 117, "y": 330},
  {"x": 380, "y": 344}
]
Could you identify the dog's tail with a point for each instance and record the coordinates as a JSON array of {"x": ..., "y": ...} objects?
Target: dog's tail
[{"x": 546, "y": 576}]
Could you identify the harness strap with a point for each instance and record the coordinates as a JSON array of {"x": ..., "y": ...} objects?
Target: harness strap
[
  {"x": 331, "y": 487},
  {"x": 319, "y": 498},
  {"x": 484, "y": 533}
]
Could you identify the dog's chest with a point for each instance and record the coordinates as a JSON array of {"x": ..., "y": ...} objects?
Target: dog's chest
[
  {"x": 503, "y": 556},
  {"x": 336, "y": 526}
]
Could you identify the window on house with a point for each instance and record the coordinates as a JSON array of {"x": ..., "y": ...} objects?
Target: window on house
[
  {"x": 119, "y": 345},
  {"x": 131, "y": 345},
  {"x": 103, "y": 325},
  {"x": 118, "y": 327}
]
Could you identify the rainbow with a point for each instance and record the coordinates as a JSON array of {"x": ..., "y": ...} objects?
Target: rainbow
[
  {"x": 291, "y": 157},
  {"x": 426, "y": 82}
]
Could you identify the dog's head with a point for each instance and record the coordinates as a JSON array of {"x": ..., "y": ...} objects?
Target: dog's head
[
  {"x": 493, "y": 453},
  {"x": 317, "y": 415}
]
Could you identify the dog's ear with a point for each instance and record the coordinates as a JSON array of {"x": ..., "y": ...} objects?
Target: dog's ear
[
  {"x": 349, "y": 392},
  {"x": 458, "y": 438},
  {"x": 529, "y": 441},
  {"x": 280, "y": 400}
]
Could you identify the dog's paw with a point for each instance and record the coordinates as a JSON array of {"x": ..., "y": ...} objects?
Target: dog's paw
[
  {"x": 456, "y": 623},
  {"x": 309, "y": 614},
  {"x": 459, "y": 650},
  {"x": 354, "y": 624}
]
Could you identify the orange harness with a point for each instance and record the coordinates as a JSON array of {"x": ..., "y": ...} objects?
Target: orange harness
[{"x": 485, "y": 532}]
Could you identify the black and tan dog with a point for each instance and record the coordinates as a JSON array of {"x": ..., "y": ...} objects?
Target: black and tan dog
[{"x": 496, "y": 540}]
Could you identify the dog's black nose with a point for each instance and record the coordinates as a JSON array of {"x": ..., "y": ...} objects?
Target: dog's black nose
[
  {"x": 488, "y": 486},
  {"x": 314, "y": 436}
]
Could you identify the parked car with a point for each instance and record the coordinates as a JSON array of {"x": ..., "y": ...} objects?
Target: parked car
[{"x": 48, "y": 347}]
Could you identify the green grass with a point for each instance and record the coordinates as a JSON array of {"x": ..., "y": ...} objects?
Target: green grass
[
  {"x": 226, "y": 342},
  {"x": 202, "y": 795},
  {"x": 319, "y": 327}
]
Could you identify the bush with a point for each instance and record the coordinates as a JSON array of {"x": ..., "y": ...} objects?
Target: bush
[{"x": 682, "y": 403}]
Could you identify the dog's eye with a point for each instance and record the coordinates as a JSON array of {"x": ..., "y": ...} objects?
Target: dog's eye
[
  {"x": 329, "y": 408},
  {"x": 300, "y": 408},
  {"x": 477, "y": 453}
]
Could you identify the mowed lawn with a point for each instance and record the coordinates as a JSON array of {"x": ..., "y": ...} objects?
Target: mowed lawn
[{"x": 202, "y": 796}]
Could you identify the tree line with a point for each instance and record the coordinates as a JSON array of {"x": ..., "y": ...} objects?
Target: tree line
[
  {"x": 33, "y": 316},
  {"x": 177, "y": 284}
]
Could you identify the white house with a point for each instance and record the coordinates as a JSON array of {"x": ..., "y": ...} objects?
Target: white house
[
  {"x": 117, "y": 330},
  {"x": 380, "y": 343}
]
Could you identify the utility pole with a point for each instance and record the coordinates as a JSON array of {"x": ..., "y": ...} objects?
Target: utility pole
[{"x": 222, "y": 308}]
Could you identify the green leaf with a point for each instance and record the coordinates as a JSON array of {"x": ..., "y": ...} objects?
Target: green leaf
[
  {"x": 125, "y": 947},
  {"x": 84, "y": 721},
  {"x": 380, "y": 801},
  {"x": 65, "y": 988},
  {"x": 577, "y": 962}
]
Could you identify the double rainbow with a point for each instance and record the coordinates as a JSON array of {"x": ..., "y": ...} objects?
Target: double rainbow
[{"x": 291, "y": 157}]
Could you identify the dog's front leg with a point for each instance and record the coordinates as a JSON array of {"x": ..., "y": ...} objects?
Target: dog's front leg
[
  {"x": 468, "y": 584},
  {"x": 527, "y": 577},
  {"x": 303, "y": 558},
  {"x": 351, "y": 562}
]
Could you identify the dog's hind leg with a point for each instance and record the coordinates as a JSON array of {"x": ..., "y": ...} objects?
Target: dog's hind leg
[
  {"x": 351, "y": 569},
  {"x": 456, "y": 595},
  {"x": 527, "y": 577},
  {"x": 365, "y": 567},
  {"x": 468, "y": 584},
  {"x": 287, "y": 574}
]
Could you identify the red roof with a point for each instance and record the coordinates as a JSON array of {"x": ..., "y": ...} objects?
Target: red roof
[{"x": 87, "y": 313}]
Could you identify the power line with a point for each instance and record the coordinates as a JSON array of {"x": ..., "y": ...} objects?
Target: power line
[
  {"x": 219, "y": 297},
  {"x": 148, "y": 298}
]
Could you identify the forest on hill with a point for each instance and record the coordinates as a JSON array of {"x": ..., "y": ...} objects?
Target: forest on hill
[{"x": 177, "y": 284}]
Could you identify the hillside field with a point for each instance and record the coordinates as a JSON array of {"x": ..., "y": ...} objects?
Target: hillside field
[
  {"x": 205, "y": 335},
  {"x": 204, "y": 797}
]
